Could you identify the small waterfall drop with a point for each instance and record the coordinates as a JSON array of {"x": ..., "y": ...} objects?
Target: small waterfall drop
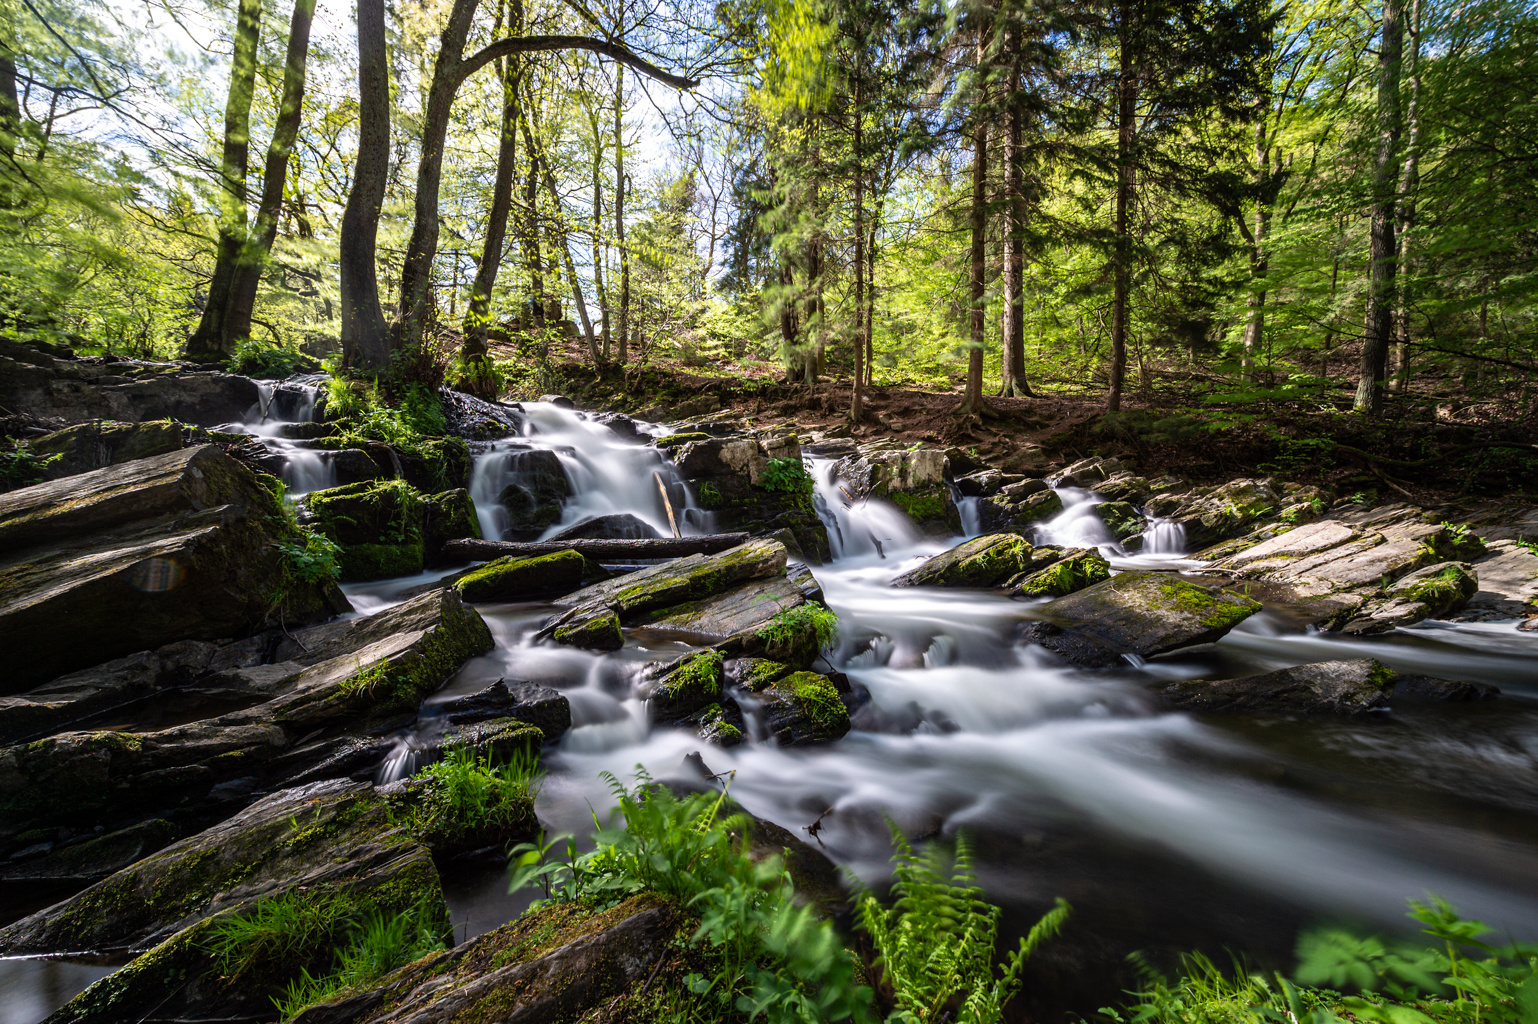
[
  {"x": 280, "y": 404},
  {"x": 859, "y": 526},
  {"x": 971, "y": 512},
  {"x": 605, "y": 474},
  {"x": 1078, "y": 525},
  {"x": 1164, "y": 537}
]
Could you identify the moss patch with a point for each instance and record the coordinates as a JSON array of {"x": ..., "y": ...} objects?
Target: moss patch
[
  {"x": 524, "y": 579},
  {"x": 1062, "y": 578}
]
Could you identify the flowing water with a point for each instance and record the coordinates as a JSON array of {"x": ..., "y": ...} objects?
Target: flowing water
[
  {"x": 281, "y": 405},
  {"x": 1164, "y": 830}
]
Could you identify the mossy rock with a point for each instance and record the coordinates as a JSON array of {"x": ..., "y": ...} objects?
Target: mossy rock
[
  {"x": 1442, "y": 588},
  {"x": 687, "y": 687},
  {"x": 1327, "y": 687},
  {"x": 436, "y": 464},
  {"x": 98, "y": 443},
  {"x": 1120, "y": 518},
  {"x": 448, "y": 515},
  {"x": 793, "y": 637},
  {"x": 598, "y": 632},
  {"x": 1146, "y": 613},
  {"x": 361, "y": 562},
  {"x": 524, "y": 579},
  {"x": 986, "y": 561},
  {"x": 929, "y": 506},
  {"x": 368, "y": 512},
  {"x": 1063, "y": 577},
  {"x": 673, "y": 442},
  {"x": 1036, "y": 508},
  {"x": 449, "y": 829},
  {"x": 803, "y": 708}
]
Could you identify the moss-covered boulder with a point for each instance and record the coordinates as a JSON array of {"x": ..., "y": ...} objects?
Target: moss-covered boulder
[
  {"x": 377, "y": 523},
  {"x": 801, "y": 708},
  {"x": 686, "y": 687},
  {"x": 447, "y": 515},
  {"x": 1078, "y": 570},
  {"x": 99, "y": 443},
  {"x": 932, "y": 508},
  {"x": 756, "y": 484},
  {"x": 1121, "y": 519},
  {"x": 599, "y": 631},
  {"x": 435, "y": 464},
  {"x": 185, "y": 545},
  {"x": 524, "y": 579},
  {"x": 1147, "y": 613},
  {"x": 1430, "y": 593},
  {"x": 1326, "y": 687},
  {"x": 986, "y": 561},
  {"x": 1006, "y": 512}
]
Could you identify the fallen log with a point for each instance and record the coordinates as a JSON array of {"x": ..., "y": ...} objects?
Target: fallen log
[{"x": 651, "y": 547}]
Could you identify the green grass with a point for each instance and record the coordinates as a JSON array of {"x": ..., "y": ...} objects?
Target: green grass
[{"x": 473, "y": 790}]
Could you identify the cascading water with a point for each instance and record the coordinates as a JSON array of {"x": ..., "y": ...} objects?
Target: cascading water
[
  {"x": 1077, "y": 783},
  {"x": 1078, "y": 525},
  {"x": 605, "y": 474},
  {"x": 280, "y": 405},
  {"x": 1164, "y": 537}
]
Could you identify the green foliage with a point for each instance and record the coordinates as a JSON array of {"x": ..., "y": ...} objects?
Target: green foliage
[
  {"x": 811, "y": 617},
  {"x": 935, "y": 944},
  {"x": 309, "y": 558},
  {"x": 253, "y": 359},
  {"x": 1460, "y": 980},
  {"x": 377, "y": 944},
  {"x": 770, "y": 956},
  {"x": 404, "y": 418},
  {"x": 787, "y": 475},
  {"x": 473, "y": 790},
  {"x": 20, "y": 466}
]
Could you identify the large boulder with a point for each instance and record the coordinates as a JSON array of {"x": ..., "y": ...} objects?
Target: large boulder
[
  {"x": 619, "y": 526},
  {"x": 915, "y": 480},
  {"x": 448, "y": 515},
  {"x": 986, "y": 561},
  {"x": 1064, "y": 575},
  {"x": 377, "y": 523},
  {"x": 100, "y": 443},
  {"x": 185, "y": 545},
  {"x": 524, "y": 579},
  {"x": 318, "y": 860},
  {"x": 539, "y": 706},
  {"x": 1019, "y": 511},
  {"x": 1328, "y": 687},
  {"x": 800, "y": 708},
  {"x": 755, "y": 483},
  {"x": 306, "y": 706},
  {"x": 1139, "y": 613}
]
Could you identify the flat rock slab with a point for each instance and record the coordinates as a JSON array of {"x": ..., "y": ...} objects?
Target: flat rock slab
[
  {"x": 1327, "y": 687},
  {"x": 739, "y": 609},
  {"x": 986, "y": 561},
  {"x": 322, "y": 834},
  {"x": 1146, "y": 613},
  {"x": 1508, "y": 584}
]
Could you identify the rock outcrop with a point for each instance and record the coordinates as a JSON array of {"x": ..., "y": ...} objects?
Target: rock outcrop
[
  {"x": 754, "y": 482},
  {"x": 185, "y": 545},
  {"x": 1326, "y": 687}
]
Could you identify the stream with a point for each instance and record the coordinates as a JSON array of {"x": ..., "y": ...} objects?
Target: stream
[{"x": 1166, "y": 831}]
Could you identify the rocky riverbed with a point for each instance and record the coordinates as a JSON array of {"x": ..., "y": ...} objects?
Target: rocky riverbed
[{"x": 1198, "y": 712}]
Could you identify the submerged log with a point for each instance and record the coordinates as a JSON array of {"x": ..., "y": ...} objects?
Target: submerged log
[{"x": 647, "y": 547}]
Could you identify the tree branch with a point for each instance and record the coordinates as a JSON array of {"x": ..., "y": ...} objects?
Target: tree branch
[{"x": 535, "y": 44}]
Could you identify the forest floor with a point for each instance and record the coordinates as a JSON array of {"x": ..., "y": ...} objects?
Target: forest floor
[{"x": 1441, "y": 441}]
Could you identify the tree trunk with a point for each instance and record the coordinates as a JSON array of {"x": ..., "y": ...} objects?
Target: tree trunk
[
  {"x": 1380, "y": 298},
  {"x": 206, "y": 343},
  {"x": 1409, "y": 184},
  {"x": 365, "y": 341},
  {"x": 972, "y": 403},
  {"x": 1012, "y": 361},
  {"x": 623, "y": 344},
  {"x": 10, "y": 104},
  {"x": 1126, "y": 109},
  {"x": 1255, "y": 302},
  {"x": 285, "y": 131},
  {"x": 422, "y": 249},
  {"x": 475, "y": 366},
  {"x": 598, "y": 285},
  {"x": 857, "y": 394}
]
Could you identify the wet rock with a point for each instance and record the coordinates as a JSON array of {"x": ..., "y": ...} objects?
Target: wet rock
[
  {"x": 333, "y": 680},
  {"x": 329, "y": 835},
  {"x": 1079, "y": 569},
  {"x": 1452, "y": 690},
  {"x": 354, "y": 465},
  {"x": 685, "y": 687},
  {"x": 599, "y": 631},
  {"x": 1002, "y": 512},
  {"x": 43, "y": 384},
  {"x": 1086, "y": 472},
  {"x": 986, "y": 561},
  {"x": 435, "y": 464},
  {"x": 448, "y": 515},
  {"x": 526, "y": 702},
  {"x": 738, "y": 610},
  {"x": 1145, "y": 613},
  {"x": 478, "y": 420},
  {"x": 533, "y": 500},
  {"x": 177, "y": 546},
  {"x": 96, "y": 857},
  {"x": 670, "y": 584},
  {"x": 757, "y": 484},
  {"x": 1430, "y": 593},
  {"x": 524, "y": 579},
  {"x": 622, "y": 425},
  {"x": 1327, "y": 687},
  {"x": 1075, "y": 648},
  {"x": 1121, "y": 519},
  {"x": 1125, "y": 487},
  {"x": 1019, "y": 490},
  {"x": 801, "y": 708},
  {"x": 100, "y": 443},
  {"x": 980, "y": 485},
  {"x": 619, "y": 526},
  {"x": 378, "y": 525},
  {"x": 1508, "y": 583}
]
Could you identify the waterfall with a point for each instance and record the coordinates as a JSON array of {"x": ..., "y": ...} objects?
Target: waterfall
[
  {"x": 1164, "y": 537},
  {"x": 971, "y": 511},
  {"x": 605, "y": 475},
  {"x": 280, "y": 404},
  {"x": 1078, "y": 525},
  {"x": 858, "y": 526}
]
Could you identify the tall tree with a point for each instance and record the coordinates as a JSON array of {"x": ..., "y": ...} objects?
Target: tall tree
[
  {"x": 1380, "y": 295},
  {"x": 365, "y": 340}
]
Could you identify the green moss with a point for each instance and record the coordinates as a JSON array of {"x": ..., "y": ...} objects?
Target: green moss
[
  {"x": 818, "y": 701},
  {"x": 1211, "y": 609},
  {"x": 698, "y": 680},
  {"x": 1381, "y": 676},
  {"x": 759, "y": 673},
  {"x": 596, "y": 632},
  {"x": 924, "y": 506},
  {"x": 362, "y": 562},
  {"x": 673, "y": 442},
  {"x": 510, "y": 579},
  {"x": 1038, "y": 507},
  {"x": 1064, "y": 577}
]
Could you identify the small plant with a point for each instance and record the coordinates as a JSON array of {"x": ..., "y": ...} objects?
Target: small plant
[
  {"x": 20, "y": 466},
  {"x": 787, "y": 626},
  {"x": 788, "y": 475},
  {"x": 377, "y": 945},
  {"x": 254, "y": 359},
  {"x": 473, "y": 789},
  {"x": 935, "y": 943}
]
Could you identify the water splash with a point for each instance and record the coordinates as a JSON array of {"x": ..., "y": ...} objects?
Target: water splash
[
  {"x": 868, "y": 528},
  {"x": 1078, "y": 525},
  {"x": 607, "y": 474},
  {"x": 281, "y": 404}
]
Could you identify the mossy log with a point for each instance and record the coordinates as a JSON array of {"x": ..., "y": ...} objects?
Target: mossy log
[{"x": 606, "y": 548}]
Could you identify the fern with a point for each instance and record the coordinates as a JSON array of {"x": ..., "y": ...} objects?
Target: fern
[{"x": 935, "y": 944}]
